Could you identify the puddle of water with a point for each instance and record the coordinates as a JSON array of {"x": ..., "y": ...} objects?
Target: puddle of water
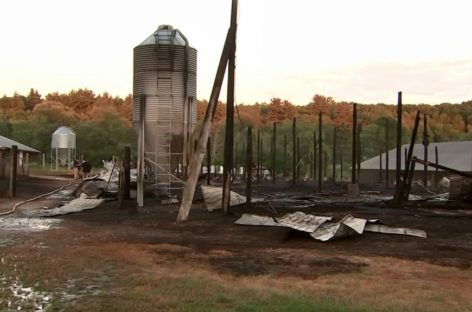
[{"x": 28, "y": 224}]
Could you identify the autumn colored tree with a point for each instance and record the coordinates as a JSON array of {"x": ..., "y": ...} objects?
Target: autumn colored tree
[{"x": 32, "y": 99}]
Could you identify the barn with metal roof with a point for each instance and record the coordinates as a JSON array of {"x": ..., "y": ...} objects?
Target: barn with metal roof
[{"x": 455, "y": 155}]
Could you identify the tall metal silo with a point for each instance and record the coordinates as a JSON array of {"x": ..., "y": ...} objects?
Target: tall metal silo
[
  {"x": 164, "y": 95},
  {"x": 63, "y": 146}
]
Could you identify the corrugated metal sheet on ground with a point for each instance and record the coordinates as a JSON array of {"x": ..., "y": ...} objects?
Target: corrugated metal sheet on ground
[{"x": 323, "y": 228}]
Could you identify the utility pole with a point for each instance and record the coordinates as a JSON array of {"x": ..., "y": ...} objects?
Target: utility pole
[{"x": 274, "y": 151}]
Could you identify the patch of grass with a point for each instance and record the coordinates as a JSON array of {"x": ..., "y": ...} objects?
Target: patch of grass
[{"x": 195, "y": 294}]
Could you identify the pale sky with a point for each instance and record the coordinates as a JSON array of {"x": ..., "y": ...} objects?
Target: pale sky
[{"x": 363, "y": 51}]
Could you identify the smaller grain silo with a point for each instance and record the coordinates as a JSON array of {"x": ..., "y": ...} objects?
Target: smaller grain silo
[{"x": 63, "y": 148}]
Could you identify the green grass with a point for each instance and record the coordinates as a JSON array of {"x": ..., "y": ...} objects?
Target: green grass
[{"x": 194, "y": 294}]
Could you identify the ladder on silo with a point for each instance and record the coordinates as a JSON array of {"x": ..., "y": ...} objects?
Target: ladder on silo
[{"x": 166, "y": 180}]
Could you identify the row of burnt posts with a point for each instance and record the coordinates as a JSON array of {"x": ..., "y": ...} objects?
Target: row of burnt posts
[{"x": 403, "y": 178}]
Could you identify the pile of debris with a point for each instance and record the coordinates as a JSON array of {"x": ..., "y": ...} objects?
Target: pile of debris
[{"x": 325, "y": 228}]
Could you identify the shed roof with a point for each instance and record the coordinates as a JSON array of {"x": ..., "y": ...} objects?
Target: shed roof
[
  {"x": 455, "y": 155},
  {"x": 6, "y": 143}
]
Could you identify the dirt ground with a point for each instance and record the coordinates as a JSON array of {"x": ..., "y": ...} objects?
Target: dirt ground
[{"x": 99, "y": 257}]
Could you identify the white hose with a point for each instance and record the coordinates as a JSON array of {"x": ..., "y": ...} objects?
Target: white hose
[{"x": 33, "y": 199}]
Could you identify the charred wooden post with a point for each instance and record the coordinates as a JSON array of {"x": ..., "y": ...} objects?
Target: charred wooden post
[
  {"x": 320, "y": 152},
  {"x": 386, "y": 155},
  {"x": 298, "y": 159},
  {"x": 13, "y": 170},
  {"x": 208, "y": 152},
  {"x": 191, "y": 183},
  {"x": 249, "y": 168},
  {"x": 311, "y": 165},
  {"x": 436, "y": 173},
  {"x": 354, "y": 145},
  {"x": 258, "y": 161},
  {"x": 229, "y": 136},
  {"x": 409, "y": 180},
  {"x": 261, "y": 159},
  {"x": 314, "y": 155},
  {"x": 127, "y": 172},
  {"x": 235, "y": 170},
  {"x": 140, "y": 182},
  {"x": 285, "y": 155},
  {"x": 380, "y": 167},
  {"x": 274, "y": 151},
  {"x": 399, "y": 139},
  {"x": 425, "y": 146},
  {"x": 294, "y": 152},
  {"x": 325, "y": 164},
  {"x": 334, "y": 155},
  {"x": 400, "y": 191},
  {"x": 405, "y": 150},
  {"x": 359, "y": 153}
]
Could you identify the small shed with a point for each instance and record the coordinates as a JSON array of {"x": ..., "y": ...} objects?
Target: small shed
[
  {"x": 23, "y": 153},
  {"x": 63, "y": 147}
]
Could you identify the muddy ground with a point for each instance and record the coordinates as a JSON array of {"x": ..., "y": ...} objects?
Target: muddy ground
[{"x": 90, "y": 253}]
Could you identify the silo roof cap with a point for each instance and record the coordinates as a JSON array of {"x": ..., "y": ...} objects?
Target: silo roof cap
[
  {"x": 64, "y": 131},
  {"x": 164, "y": 33}
]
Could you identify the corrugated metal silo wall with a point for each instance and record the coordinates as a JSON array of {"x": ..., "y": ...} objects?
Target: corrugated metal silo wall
[{"x": 159, "y": 74}]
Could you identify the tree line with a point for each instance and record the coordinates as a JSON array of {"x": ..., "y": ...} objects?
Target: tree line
[{"x": 103, "y": 123}]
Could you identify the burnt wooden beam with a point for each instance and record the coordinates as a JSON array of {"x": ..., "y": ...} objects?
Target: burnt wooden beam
[
  {"x": 334, "y": 155},
  {"x": 249, "y": 168},
  {"x": 197, "y": 159},
  {"x": 320, "y": 151},
  {"x": 294, "y": 152},
  {"x": 399, "y": 138},
  {"x": 354, "y": 145},
  {"x": 274, "y": 152},
  {"x": 425, "y": 147}
]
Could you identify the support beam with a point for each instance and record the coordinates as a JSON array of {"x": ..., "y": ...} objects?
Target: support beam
[
  {"x": 359, "y": 153},
  {"x": 314, "y": 156},
  {"x": 298, "y": 159},
  {"x": 320, "y": 150},
  {"x": 126, "y": 172},
  {"x": 425, "y": 146},
  {"x": 258, "y": 169},
  {"x": 400, "y": 190},
  {"x": 334, "y": 155},
  {"x": 285, "y": 155},
  {"x": 354, "y": 145},
  {"x": 197, "y": 159},
  {"x": 229, "y": 136},
  {"x": 140, "y": 182},
  {"x": 208, "y": 152},
  {"x": 386, "y": 154},
  {"x": 294, "y": 152},
  {"x": 274, "y": 153},
  {"x": 436, "y": 173},
  {"x": 249, "y": 168},
  {"x": 399, "y": 139}
]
